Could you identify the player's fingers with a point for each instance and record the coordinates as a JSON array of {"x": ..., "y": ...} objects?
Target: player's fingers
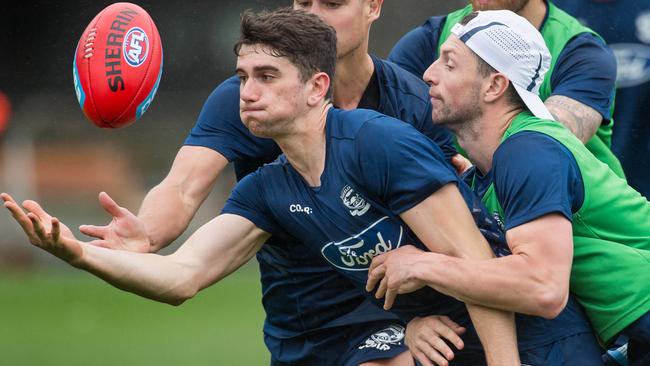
[
  {"x": 110, "y": 205},
  {"x": 6, "y": 197},
  {"x": 374, "y": 276},
  {"x": 440, "y": 346},
  {"x": 452, "y": 324},
  {"x": 33, "y": 206},
  {"x": 56, "y": 229},
  {"x": 381, "y": 290},
  {"x": 422, "y": 359},
  {"x": 38, "y": 228},
  {"x": 377, "y": 262},
  {"x": 22, "y": 219},
  {"x": 94, "y": 231},
  {"x": 390, "y": 298}
]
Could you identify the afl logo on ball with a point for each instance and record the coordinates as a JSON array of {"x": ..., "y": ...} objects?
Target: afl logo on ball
[{"x": 135, "y": 47}]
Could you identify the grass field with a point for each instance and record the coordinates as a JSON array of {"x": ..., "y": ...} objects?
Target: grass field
[{"x": 71, "y": 318}]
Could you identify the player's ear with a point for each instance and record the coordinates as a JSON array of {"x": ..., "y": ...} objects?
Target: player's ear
[
  {"x": 319, "y": 85},
  {"x": 374, "y": 9},
  {"x": 496, "y": 86}
]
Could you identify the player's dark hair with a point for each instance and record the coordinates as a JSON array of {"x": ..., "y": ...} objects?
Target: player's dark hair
[
  {"x": 486, "y": 70},
  {"x": 303, "y": 38}
]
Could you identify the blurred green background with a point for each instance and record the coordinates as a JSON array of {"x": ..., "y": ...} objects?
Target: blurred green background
[
  {"x": 51, "y": 314},
  {"x": 70, "y": 318}
]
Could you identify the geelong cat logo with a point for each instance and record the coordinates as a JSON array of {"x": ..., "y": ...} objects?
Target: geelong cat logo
[
  {"x": 354, "y": 202},
  {"x": 135, "y": 47},
  {"x": 383, "y": 339},
  {"x": 355, "y": 253}
]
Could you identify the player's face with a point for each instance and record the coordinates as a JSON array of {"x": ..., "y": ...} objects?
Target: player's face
[
  {"x": 350, "y": 18},
  {"x": 271, "y": 92},
  {"x": 512, "y": 5},
  {"x": 454, "y": 85}
]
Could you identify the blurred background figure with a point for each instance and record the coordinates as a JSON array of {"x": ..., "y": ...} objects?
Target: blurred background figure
[{"x": 625, "y": 26}]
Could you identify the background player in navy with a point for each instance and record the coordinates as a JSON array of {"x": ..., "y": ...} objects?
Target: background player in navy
[
  {"x": 301, "y": 293},
  {"x": 581, "y": 85},
  {"x": 625, "y": 25}
]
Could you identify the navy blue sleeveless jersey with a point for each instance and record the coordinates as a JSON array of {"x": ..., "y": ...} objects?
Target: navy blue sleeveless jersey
[
  {"x": 375, "y": 169},
  {"x": 300, "y": 291},
  {"x": 578, "y": 73},
  {"x": 625, "y": 25}
]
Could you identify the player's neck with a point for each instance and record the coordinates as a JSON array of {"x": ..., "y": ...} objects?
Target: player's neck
[
  {"x": 534, "y": 11},
  {"x": 305, "y": 146},
  {"x": 353, "y": 73},
  {"x": 483, "y": 138}
]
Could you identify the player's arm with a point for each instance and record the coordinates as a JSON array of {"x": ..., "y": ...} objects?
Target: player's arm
[
  {"x": 211, "y": 253},
  {"x": 533, "y": 280},
  {"x": 582, "y": 120},
  {"x": 538, "y": 197},
  {"x": 583, "y": 82},
  {"x": 168, "y": 208},
  {"x": 444, "y": 224},
  {"x": 411, "y": 177}
]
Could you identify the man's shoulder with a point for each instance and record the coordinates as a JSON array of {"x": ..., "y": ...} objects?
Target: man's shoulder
[
  {"x": 397, "y": 78},
  {"x": 350, "y": 124}
]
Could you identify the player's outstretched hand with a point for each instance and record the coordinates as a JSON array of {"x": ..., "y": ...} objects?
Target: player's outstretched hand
[
  {"x": 396, "y": 273},
  {"x": 425, "y": 338},
  {"x": 45, "y": 231},
  {"x": 125, "y": 231}
]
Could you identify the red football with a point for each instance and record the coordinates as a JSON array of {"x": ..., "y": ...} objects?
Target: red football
[{"x": 117, "y": 65}]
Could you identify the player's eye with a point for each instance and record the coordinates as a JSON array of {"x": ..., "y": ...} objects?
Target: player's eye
[
  {"x": 332, "y": 4},
  {"x": 302, "y": 4}
]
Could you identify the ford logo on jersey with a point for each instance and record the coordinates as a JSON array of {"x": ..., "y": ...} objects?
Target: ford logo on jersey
[
  {"x": 633, "y": 64},
  {"x": 135, "y": 47},
  {"x": 356, "y": 252}
]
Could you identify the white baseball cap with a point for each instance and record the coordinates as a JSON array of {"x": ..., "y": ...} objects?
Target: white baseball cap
[{"x": 514, "y": 47}]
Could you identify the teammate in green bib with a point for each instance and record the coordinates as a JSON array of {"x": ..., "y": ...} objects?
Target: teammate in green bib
[
  {"x": 579, "y": 87},
  {"x": 571, "y": 223}
]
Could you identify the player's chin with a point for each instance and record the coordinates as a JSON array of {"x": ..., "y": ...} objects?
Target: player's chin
[{"x": 255, "y": 126}]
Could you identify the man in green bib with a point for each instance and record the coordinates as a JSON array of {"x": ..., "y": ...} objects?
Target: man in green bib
[
  {"x": 578, "y": 90},
  {"x": 571, "y": 223}
]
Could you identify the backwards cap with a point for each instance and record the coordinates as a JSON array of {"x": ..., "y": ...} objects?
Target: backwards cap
[{"x": 512, "y": 46}]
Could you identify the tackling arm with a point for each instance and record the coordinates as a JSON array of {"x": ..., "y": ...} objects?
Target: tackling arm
[{"x": 444, "y": 224}]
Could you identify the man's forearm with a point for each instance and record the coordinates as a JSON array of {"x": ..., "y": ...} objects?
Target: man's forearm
[
  {"x": 157, "y": 277},
  {"x": 513, "y": 283},
  {"x": 582, "y": 120},
  {"x": 167, "y": 221}
]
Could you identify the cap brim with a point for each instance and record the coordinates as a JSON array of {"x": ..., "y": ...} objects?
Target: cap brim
[{"x": 534, "y": 103}]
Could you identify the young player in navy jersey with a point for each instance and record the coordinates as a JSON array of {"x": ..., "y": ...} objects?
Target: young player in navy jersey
[
  {"x": 301, "y": 294},
  {"x": 579, "y": 88},
  {"x": 340, "y": 188}
]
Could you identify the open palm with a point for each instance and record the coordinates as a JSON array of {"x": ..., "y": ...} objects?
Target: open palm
[
  {"x": 125, "y": 231},
  {"x": 43, "y": 230}
]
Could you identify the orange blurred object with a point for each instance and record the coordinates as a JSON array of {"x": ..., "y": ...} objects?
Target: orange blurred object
[{"x": 5, "y": 112}]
